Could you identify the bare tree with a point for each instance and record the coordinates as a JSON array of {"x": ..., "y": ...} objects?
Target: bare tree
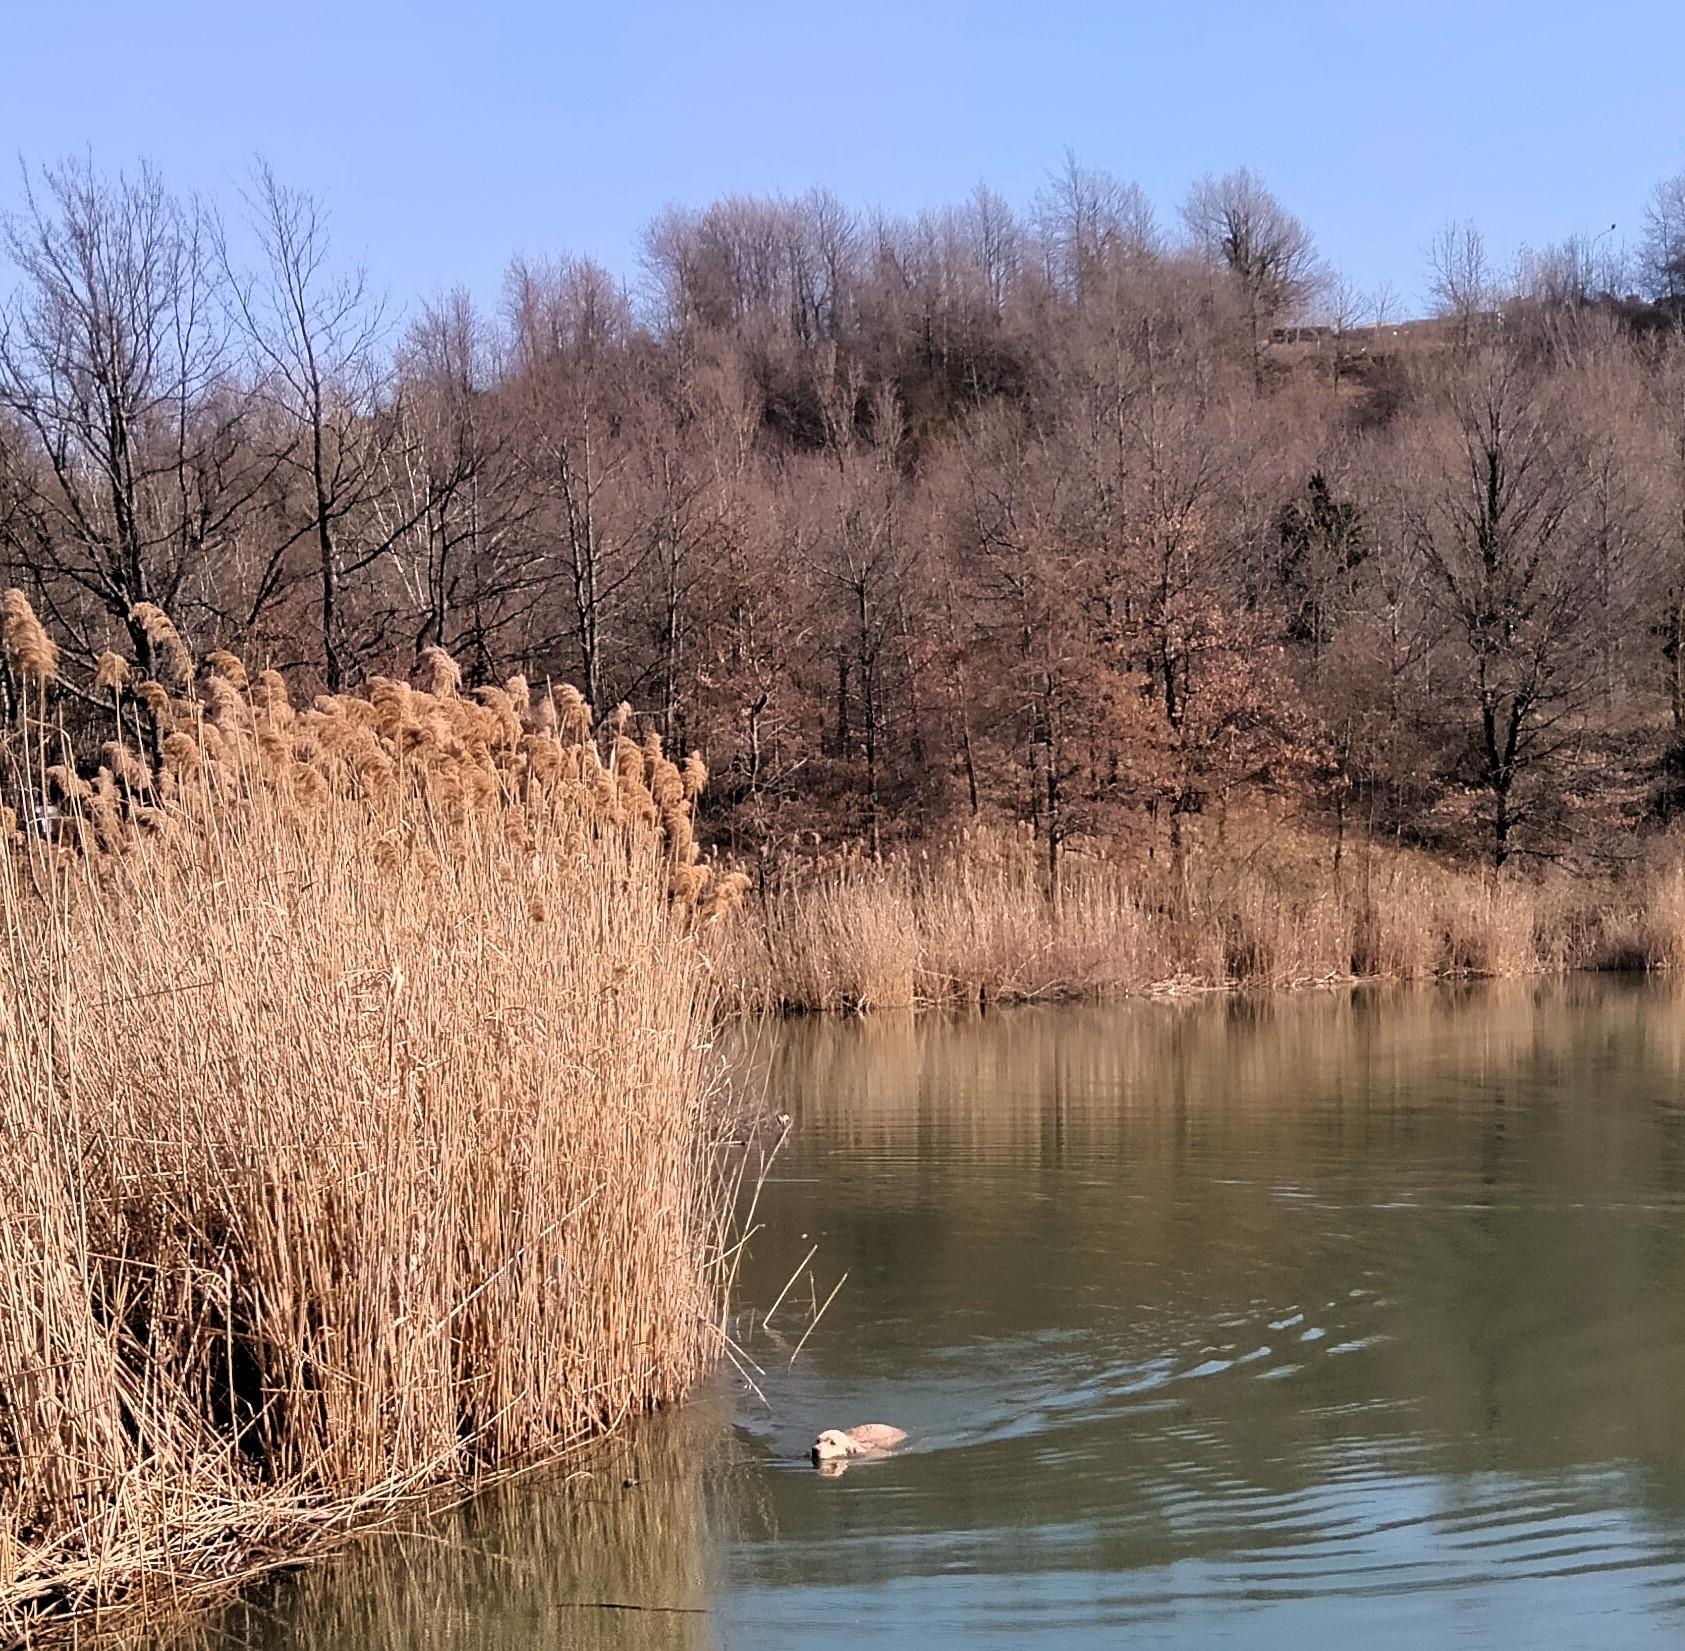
[
  {"x": 316, "y": 333},
  {"x": 1238, "y": 224},
  {"x": 1087, "y": 218},
  {"x": 1604, "y": 407},
  {"x": 1663, "y": 253},
  {"x": 788, "y": 264},
  {"x": 1490, "y": 517},
  {"x": 691, "y": 423},
  {"x": 1568, "y": 273},
  {"x": 1344, "y": 308},
  {"x": 1462, "y": 284},
  {"x": 450, "y": 504},
  {"x": 571, "y": 327},
  {"x": 996, "y": 243},
  {"x": 130, "y": 478},
  {"x": 1666, "y": 388},
  {"x": 863, "y": 559}
]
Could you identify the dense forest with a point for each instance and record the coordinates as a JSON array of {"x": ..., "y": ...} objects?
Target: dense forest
[{"x": 1060, "y": 516}]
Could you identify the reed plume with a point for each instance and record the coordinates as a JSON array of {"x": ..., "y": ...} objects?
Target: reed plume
[
  {"x": 573, "y": 713},
  {"x": 111, "y": 672},
  {"x": 64, "y": 785},
  {"x": 542, "y": 716},
  {"x": 172, "y": 655},
  {"x": 441, "y": 675},
  {"x": 213, "y": 743},
  {"x": 687, "y": 884},
  {"x": 34, "y": 654},
  {"x": 125, "y": 768},
  {"x": 228, "y": 666},
  {"x": 225, "y": 706},
  {"x": 105, "y": 814},
  {"x": 309, "y": 786},
  {"x": 181, "y": 754},
  {"x": 666, "y": 785},
  {"x": 544, "y": 759},
  {"x": 725, "y": 892},
  {"x": 270, "y": 698},
  {"x": 502, "y": 725},
  {"x": 391, "y": 703},
  {"x": 628, "y": 761}
]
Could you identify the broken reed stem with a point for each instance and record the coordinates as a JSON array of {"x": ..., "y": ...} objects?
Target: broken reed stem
[
  {"x": 814, "y": 1325},
  {"x": 766, "y": 1317}
]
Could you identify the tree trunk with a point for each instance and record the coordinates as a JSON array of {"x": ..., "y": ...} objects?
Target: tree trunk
[
  {"x": 1676, "y": 666},
  {"x": 332, "y": 668},
  {"x": 1055, "y": 824},
  {"x": 670, "y": 652},
  {"x": 840, "y": 745}
]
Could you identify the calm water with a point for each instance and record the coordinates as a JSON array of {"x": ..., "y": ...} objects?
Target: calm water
[{"x": 1324, "y": 1320}]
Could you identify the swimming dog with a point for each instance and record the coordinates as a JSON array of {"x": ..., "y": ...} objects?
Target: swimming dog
[{"x": 848, "y": 1444}]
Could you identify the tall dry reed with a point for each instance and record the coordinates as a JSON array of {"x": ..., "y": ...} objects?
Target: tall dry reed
[{"x": 357, "y": 1131}]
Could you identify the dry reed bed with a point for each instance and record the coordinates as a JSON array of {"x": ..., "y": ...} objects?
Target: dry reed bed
[
  {"x": 974, "y": 925},
  {"x": 357, "y": 1130}
]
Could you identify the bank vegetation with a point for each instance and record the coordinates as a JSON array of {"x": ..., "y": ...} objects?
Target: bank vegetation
[
  {"x": 359, "y": 1137},
  {"x": 1269, "y": 905}
]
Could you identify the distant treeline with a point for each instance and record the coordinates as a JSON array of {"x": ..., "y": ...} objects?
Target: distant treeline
[{"x": 1058, "y": 516}]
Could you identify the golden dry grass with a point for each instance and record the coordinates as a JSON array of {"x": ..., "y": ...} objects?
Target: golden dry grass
[
  {"x": 973, "y": 924},
  {"x": 358, "y": 1131}
]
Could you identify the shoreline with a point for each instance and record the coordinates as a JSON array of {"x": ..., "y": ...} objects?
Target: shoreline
[{"x": 1169, "y": 992}]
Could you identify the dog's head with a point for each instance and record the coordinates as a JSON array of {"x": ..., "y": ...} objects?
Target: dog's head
[{"x": 834, "y": 1446}]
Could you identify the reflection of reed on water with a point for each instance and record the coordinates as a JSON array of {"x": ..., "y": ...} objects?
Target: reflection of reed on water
[
  {"x": 1009, "y": 1079},
  {"x": 617, "y": 1557}
]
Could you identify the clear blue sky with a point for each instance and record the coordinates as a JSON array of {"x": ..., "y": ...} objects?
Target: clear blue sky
[{"x": 446, "y": 137}]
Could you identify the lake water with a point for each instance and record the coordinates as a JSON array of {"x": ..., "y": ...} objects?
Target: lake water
[{"x": 1350, "y": 1318}]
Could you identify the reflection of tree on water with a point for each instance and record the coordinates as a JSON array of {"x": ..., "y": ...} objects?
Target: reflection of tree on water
[
  {"x": 530, "y": 1564},
  {"x": 1076, "y": 1226}
]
